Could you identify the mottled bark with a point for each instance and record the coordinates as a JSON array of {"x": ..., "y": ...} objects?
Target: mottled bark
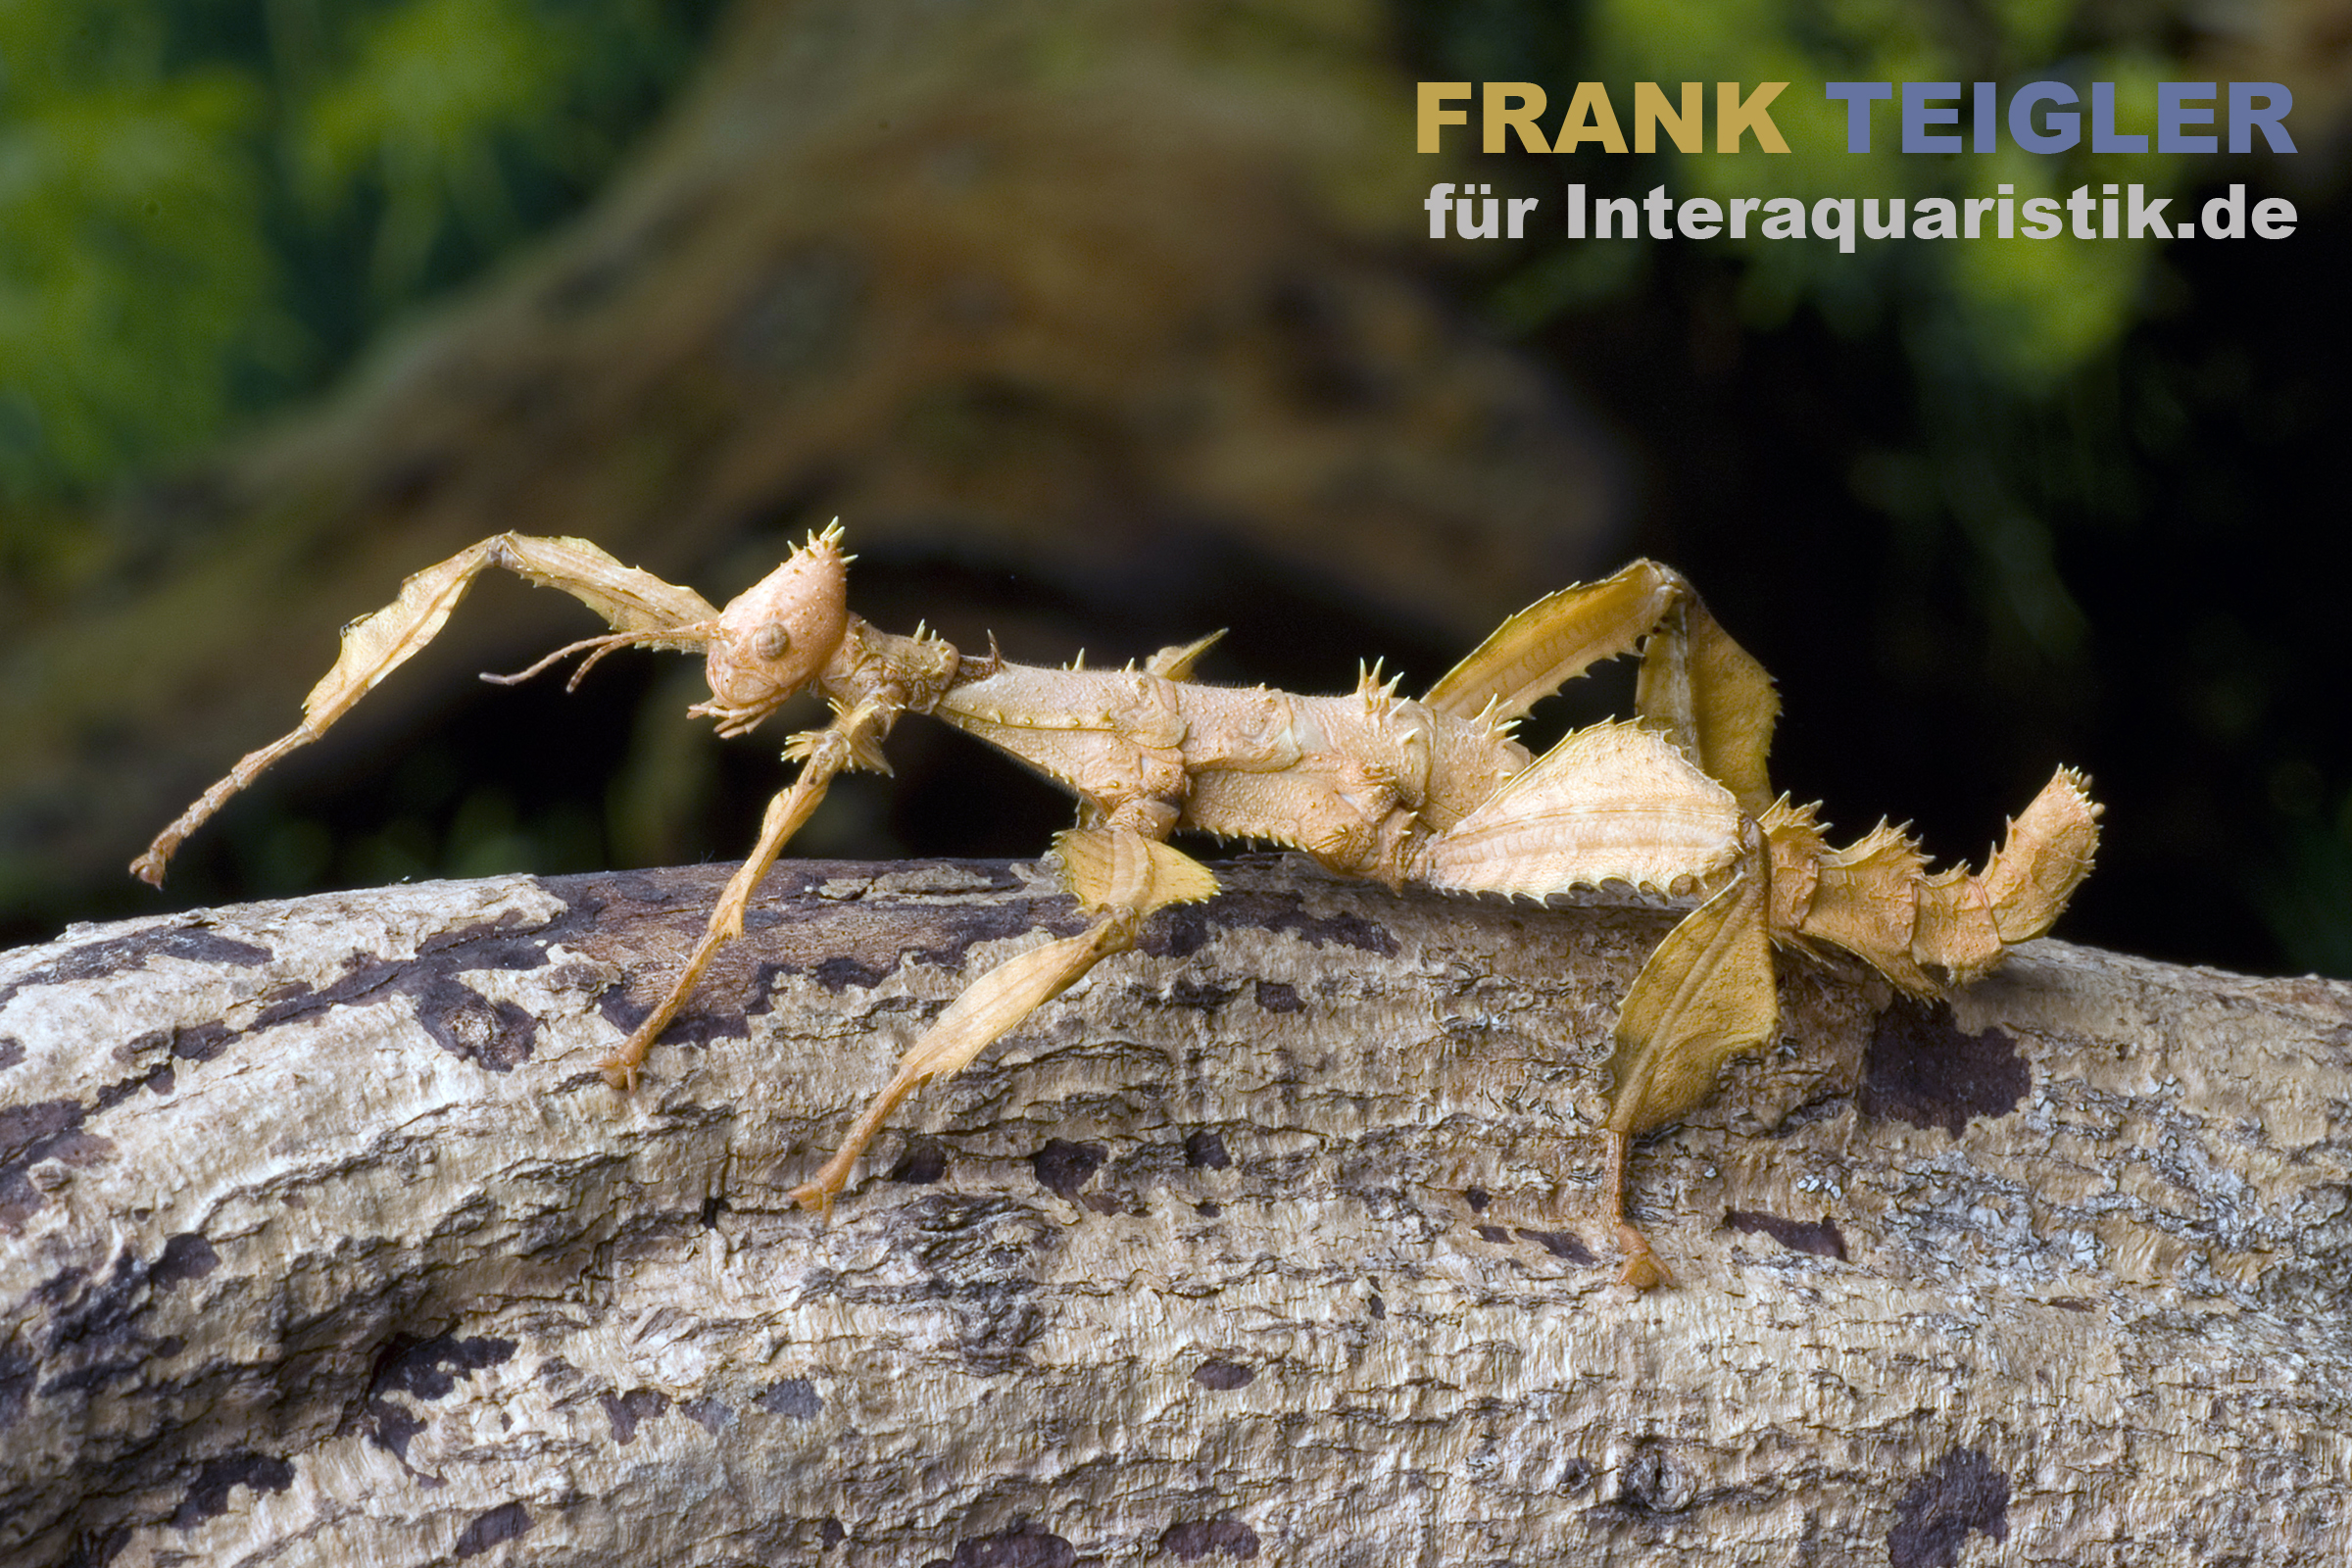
[{"x": 1277, "y": 1239}]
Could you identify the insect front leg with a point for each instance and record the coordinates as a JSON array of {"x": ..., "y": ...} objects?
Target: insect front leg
[
  {"x": 850, "y": 739},
  {"x": 637, "y": 605},
  {"x": 1120, "y": 874}
]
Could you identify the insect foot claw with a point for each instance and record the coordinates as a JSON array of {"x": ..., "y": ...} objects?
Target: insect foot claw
[
  {"x": 621, "y": 1075},
  {"x": 816, "y": 1198},
  {"x": 1643, "y": 1270}
]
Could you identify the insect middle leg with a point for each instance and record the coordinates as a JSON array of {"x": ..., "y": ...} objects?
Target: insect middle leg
[{"x": 1116, "y": 871}]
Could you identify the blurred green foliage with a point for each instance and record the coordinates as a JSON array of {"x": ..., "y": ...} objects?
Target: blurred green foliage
[{"x": 208, "y": 206}]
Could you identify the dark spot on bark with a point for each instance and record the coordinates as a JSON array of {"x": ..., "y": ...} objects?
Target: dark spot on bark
[
  {"x": 1206, "y": 1151},
  {"x": 12, "y": 1051},
  {"x": 186, "y": 1256},
  {"x": 1824, "y": 1240},
  {"x": 1575, "y": 1476},
  {"x": 796, "y": 1398},
  {"x": 1062, "y": 1166},
  {"x": 626, "y": 1410},
  {"x": 1964, "y": 1492},
  {"x": 1923, "y": 1068},
  {"x": 922, "y": 1162},
  {"x": 46, "y": 1129},
  {"x": 1181, "y": 932},
  {"x": 19, "y": 1371},
  {"x": 1380, "y": 1308},
  {"x": 840, "y": 941},
  {"x": 1652, "y": 1483},
  {"x": 1198, "y": 1537},
  {"x": 1819, "y": 1108},
  {"x": 430, "y": 1369},
  {"x": 461, "y": 1020},
  {"x": 208, "y": 1498},
  {"x": 425, "y": 1370},
  {"x": 830, "y": 1533},
  {"x": 840, "y": 973},
  {"x": 1176, "y": 933},
  {"x": 97, "y": 959},
  {"x": 713, "y": 1206},
  {"x": 629, "y": 887},
  {"x": 464, "y": 1022},
  {"x": 1478, "y": 1198},
  {"x": 1217, "y": 1374},
  {"x": 708, "y": 1414},
  {"x": 201, "y": 1043},
  {"x": 759, "y": 994},
  {"x": 161, "y": 1082},
  {"x": 2070, "y": 1304},
  {"x": 392, "y": 1427},
  {"x": 92, "y": 1325},
  {"x": 980, "y": 1256},
  {"x": 1208, "y": 1210},
  {"x": 199, "y": 946},
  {"x": 95, "y": 1550},
  {"x": 1102, "y": 1202},
  {"x": 1566, "y": 1245},
  {"x": 502, "y": 1523},
  {"x": 109, "y": 1096},
  {"x": 624, "y": 1012},
  {"x": 1024, "y": 1546},
  {"x": 1184, "y": 993},
  {"x": 555, "y": 1369},
  {"x": 1275, "y": 996},
  {"x": 1500, "y": 1235}
]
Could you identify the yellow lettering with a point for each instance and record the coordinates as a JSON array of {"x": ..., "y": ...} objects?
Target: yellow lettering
[
  {"x": 1732, "y": 117},
  {"x": 1589, "y": 118},
  {"x": 1434, "y": 97},
  {"x": 1502, "y": 116},
  {"x": 1652, "y": 114}
]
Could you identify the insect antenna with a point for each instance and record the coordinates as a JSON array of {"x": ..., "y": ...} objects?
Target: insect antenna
[{"x": 601, "y": 646}]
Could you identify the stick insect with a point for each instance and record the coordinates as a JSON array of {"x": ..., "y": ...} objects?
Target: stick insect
[{"x": 1673, "y": 801}]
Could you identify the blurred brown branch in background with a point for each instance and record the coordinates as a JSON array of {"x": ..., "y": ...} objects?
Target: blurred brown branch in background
[{"x": 1075, "y": 291}]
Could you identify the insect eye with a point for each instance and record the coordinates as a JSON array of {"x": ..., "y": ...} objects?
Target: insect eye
[{"x": 771, "y": 641}]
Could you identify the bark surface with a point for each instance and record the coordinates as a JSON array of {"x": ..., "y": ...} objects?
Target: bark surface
[{"x": 1275, "y": 1240}]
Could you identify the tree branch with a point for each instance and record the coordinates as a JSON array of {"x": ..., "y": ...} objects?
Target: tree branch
[{"x": 1277, "y": 1238}]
